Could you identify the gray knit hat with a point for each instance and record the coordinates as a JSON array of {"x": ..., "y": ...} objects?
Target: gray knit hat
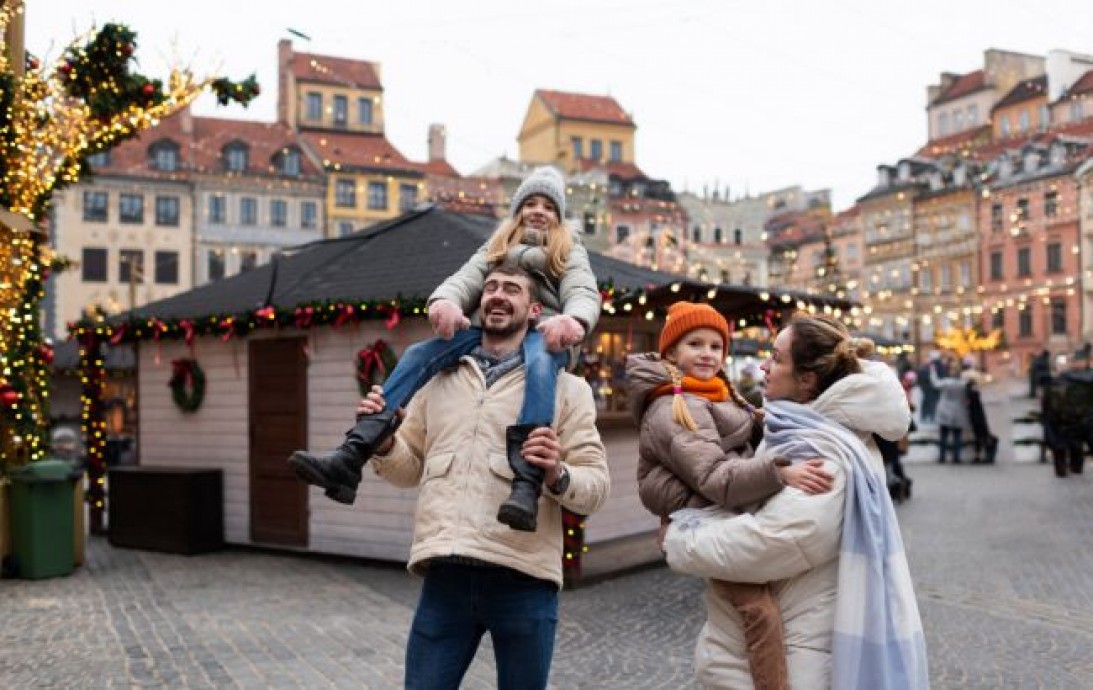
[{"x": 546, "y": 181}]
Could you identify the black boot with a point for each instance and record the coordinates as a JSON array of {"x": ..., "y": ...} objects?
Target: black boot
[
  {"x": 340, "y": 472},
  {"x": 521, "y": 508}
]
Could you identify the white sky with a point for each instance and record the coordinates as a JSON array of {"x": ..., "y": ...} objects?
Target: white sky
[{"x": 754, "y": 95}]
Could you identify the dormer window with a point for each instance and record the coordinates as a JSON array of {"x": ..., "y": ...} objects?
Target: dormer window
[
  {"x": 1031, "y": 162},
  {"x": 935, "y": 180},
  {"x": 884, "y": 177},
  {"x": 960, "y": 176},
  {"x": 99, "y": 160},
  {"x": 164, "y": 155},
  {"x": 904, "y": 172},
  {"x": 288, "y": 162},
  {"x": 1005, "y": 168},
  {"x": 1058, "y": 154},
  {"x": 235, "y": 157}
]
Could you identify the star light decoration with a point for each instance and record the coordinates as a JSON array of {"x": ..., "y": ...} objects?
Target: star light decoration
[{"x": 52, "y": 117}]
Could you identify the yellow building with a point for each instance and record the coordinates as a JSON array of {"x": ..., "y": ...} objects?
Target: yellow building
[
  {"x": 336, "y": 104},
  {"x": 576, "y": 131}
]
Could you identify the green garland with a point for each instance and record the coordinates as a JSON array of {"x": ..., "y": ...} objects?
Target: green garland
[{"x": 187, "y": 372}]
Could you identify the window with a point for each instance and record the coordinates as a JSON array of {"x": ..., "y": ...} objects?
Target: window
[
  {"x": 341, "y": 111},
  {"x": 248, "y": 211},
  {"x": 377, "y": 196},
  {"x": 247, "y": 261},
  {"x": 996, "y": 265},
  {"x": 314, "y": 106},
  {"x": 165, "y": 156},
  {"x": 1024, "y": 262},
  {"x": 99, "y": 160},
  {"x": 131, "y": 266},
  {"x": 718, "y": 235},
  {"x": 94, "y": 207},
  {"x": 290, "y": 162},
  {"x": 958, "y": 121},
  {"x": 589, "y": 224},
  {"x": 943, "y": 124},
  {"x": 1075, "y": 110},
  {"x": 364, "y": 111},
  {"x": 578, "y": 148},
  {"x": 1055, "y": 258},
  {"x": 1022, "y": 209},
  {"x": 622, "y": 232},
  {"x": 345, "y": 227},
  {"x": 725, "y": 277},
  {"x": 1022, "y": 121},
  {"x": 278, "y": 213},
  {"x": 926, "y": 280},
  {"x": 167, "y": 268},
  {"x": 167, "y": 211},
  {"x": 696, "y": 233},
  {"x": 235, "y": 158},
  {"x": 595, "y": 149},
  {"x": 965, "y": 275},
  {"x": 1005, "y": 125},
  {"x": 1043, "y": 123},
  {"x": 616, "y": 151},
  {"x": 946, "y": 281},
  {"x": 215, "y": 263},
  {"x": 93, "y": 265},
  {"x": 218, "y": 209},
  {"x": 973, "y": 115},
  {"x": 345, "y": 194},
  {"x": 309, "y": 214},
  {"x": 1058, "y": 316},
  {"x": 998, "y": 219},
  {"x": 998, "y": 319},
  {"x": 131, "y": 208},
  {"x": 407, "y": 197},
  {"x": 1024, "y": 321},
  {"x": 1051, "y": 203},
  {"x": 738, "y": 236}
]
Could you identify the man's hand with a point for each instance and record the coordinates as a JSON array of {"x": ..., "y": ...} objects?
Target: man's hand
[
  {"x": 446, "y": 318},
  {"x": 373, "y": 403},
  {"x": 808, "y": 476},
  {"x": 561, "y": 331},
  {"x": 543, "y": 450}
]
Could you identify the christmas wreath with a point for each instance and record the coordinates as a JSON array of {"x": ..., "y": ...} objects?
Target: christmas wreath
[
  {"x": 374, "y": 363},
  {"x": 187, "y": 384}
]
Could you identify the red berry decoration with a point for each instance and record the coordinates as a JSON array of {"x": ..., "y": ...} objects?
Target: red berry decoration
[
  {"x": 148, "y": 89},
  {"x": 127, "y": 49},
  {"x": 45, "y": 352},
  {"x": 65, "y": 69},
  {"x": 257, "y": 90},
  {"x": 8, "y": 395}
]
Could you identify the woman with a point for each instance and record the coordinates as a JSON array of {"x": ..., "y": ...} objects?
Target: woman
[
  {"x": 845, "y": 625},
  {"x": 952, "y": 411}
]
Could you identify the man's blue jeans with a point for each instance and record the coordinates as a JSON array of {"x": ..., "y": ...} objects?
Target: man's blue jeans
[
  {"x": 424, "y": 360},
  {"x": 459, "y": 603}
]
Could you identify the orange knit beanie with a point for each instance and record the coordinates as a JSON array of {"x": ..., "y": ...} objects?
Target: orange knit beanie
[{"x": 684, "y": 317}]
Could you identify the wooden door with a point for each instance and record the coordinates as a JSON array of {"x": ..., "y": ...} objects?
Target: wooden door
[{"x": 278, "y": 426}]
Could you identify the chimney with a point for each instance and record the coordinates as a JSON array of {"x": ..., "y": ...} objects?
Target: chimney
[
  {"x": 186, "y": 121},
  {"x": 285, "y": 84},
  {"x": 437, "y": 143}
]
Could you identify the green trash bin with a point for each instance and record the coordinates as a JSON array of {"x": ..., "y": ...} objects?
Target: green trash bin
[{"x": 42, "y": 521}]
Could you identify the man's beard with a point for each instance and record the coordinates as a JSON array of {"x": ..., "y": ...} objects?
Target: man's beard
[{"x": 515, "y": 324}]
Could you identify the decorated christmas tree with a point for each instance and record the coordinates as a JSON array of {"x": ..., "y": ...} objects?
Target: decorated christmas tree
[{"x": 52, "y": 118}]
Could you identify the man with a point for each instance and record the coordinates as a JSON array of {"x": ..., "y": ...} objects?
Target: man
[{"x": 481, "y": 575}]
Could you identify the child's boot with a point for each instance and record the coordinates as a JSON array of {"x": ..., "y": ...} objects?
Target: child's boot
[
  {"x": 340, "y": 472},
  {"x": 521, "y": 508}
]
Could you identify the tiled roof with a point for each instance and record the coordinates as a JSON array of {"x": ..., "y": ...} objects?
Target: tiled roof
[
  {"x": 1082, "y": 86},
  {"x": 1024, "y": 91},
  {"x": 619, "y": 169},
  {"x": 579, "y": 106},
  {"x": 964, "y": 85},
  {"x": 960, "y": 143},
  {"x": 201, "y": 149},
  {"x": 361, "y": 151},
  {"x": 406, "y": 257},
  {"x": 333, "y": 70},
  {"x": 440, "y": 168}
]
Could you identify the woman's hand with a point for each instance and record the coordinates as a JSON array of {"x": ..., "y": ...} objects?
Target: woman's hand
[
  {"x": 808, "y": 476},
  {"x": 561, "y": 331},
  {"x": 446, "y": 318}
]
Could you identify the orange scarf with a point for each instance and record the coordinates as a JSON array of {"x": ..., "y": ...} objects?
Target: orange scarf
[{"x": 714, "y": 390}]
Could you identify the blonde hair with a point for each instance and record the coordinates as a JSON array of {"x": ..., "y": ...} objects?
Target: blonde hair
[
  {"x": 822, "y": 345},
  {"x": 682, "y": 415},
  {"x": 511, "y": 233}
]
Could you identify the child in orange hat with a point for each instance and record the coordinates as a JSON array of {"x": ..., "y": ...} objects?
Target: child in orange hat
[{"x": 697, "y": 439}]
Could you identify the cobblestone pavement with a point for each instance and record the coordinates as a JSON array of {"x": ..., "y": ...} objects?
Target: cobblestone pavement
[{"x": 1000, "y": 555}]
